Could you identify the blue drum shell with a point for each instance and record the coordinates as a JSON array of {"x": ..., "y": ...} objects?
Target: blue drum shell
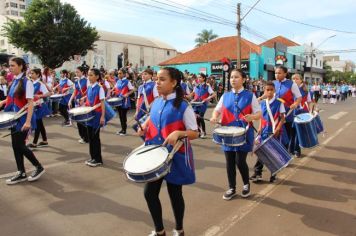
[
  {"x": 306, "y": 131},
  {"x": 233, "y": 141},
  {"x": 273, "y": 155},
  {"x": 318, "y": 124},
  {"x": 150, "y": 176},
  {"x": 8, "y": 124},
  {"x": 115, "y": 103},
  {"x": 83, "y": 117}
]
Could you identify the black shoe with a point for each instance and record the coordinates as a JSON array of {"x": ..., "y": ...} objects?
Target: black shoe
[
  {"x": 89, "y": 160},
  {"x": 256, "y": 177},
  {"x": 229, "y": 194},
  {"x": 42, "y": 144},
  {"x": 36, "y": 174},
  {"x": 18, "y": 178},
  {"x": 119, "y": 132},
  {"x": 245, "y": 191},
  {"x": 123, "y": 133},
  {"x": 31, "y": 145},
  {"x": 272, "y": 179},
  {"x": 94, "y": 163}
]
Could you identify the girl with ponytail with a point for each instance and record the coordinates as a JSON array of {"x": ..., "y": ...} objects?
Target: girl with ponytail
[{"x": 171, "y": 118}]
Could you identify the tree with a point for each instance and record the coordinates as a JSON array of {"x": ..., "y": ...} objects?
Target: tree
[
  {"x": 205, "y": 37},
  {"x": 53, "y": 31}
]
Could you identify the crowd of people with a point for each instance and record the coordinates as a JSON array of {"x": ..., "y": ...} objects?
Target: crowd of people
[{"x": 169, "y": 105}]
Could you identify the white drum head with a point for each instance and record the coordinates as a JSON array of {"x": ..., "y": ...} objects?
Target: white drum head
[
  {"x": 114, "y": 99},
  {"x": 80, "y": 110},
  {"x": 303, "y": 118},
  {"x": 145, "y": 162},
  {"x": 56, "y": 95},
  {"x": 7, "y": 116},
  {"x": 230, "y": 130}
]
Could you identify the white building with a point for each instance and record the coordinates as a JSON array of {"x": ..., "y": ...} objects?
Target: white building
[
  {"x": 339, "y": 65},
  {"x": 13, "y": 8},
  {"x": 139, "y": 51},
  {"x": 313, "y": 71}
]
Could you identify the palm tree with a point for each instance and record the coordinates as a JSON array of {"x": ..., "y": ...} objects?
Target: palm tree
[{"x": 205, "y": 37}]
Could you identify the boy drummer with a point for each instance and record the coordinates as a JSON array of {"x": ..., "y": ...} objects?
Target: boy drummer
[{"x": 271, "y": 123}]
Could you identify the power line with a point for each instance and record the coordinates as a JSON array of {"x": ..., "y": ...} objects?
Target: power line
[{"x": 302, "y": 23}]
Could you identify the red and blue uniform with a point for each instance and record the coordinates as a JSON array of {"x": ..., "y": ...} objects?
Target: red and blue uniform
[
  {"x": 41, "y": 110},
  {"x": 303, "y": 108},
  {"x": 80, "y": 88},
  {"x": 141, "y": 105},
  {"x": 93, "y": 99},
  {"x": 201, "y": 92},
  {"x": 235, "y": 107},
  {"x": 165, "y": 119},
  {"x": 64, "y": 88},
  {"x": 266, "y": 123},
  {"x": 284, "y": 92},
  {"x": 121, "y": 89},
  {"x": 15, "y": 103}
]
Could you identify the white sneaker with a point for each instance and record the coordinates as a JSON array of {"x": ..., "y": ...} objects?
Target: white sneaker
[{"x": 81, "y": 141}]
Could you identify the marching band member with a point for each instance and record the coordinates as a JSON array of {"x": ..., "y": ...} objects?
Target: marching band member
[
  {"x": 271, "y": 123},
  {"x": 147, "y": 92},
  {"x": 290, "y": 95},
  {"x": 80, "y": 92},
  {"x": 185, "y": 88},
  {"x": 303, "y": 107},
  {"x": 238, "y": 107},
  {"x": 95, "y": 96},
  {"x": 40, "y": 91},
  {"x": 171, "y": 118},
  {"x": 202, "y": 93},
  {"x": 64, "y": 87},
  {"x": 124, "y": 89},
  {"x": 20, "y": 95}
]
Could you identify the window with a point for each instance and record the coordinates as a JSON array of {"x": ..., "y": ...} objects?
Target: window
[
  {"x": 22, "y": 7},
  {"x": 316, "y": 62},
  {"x": 168, "y": 53},
  {"x": 14, "y": 13},
  {"x": 12, "y": 4},
  {"x": 321, "y": 63},
  {"x": 7, "y": 4}
]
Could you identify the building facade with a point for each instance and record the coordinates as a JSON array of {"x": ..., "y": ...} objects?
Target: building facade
[{"x": 13, "y": 8}]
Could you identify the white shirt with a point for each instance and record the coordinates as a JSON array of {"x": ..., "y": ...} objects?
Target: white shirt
[
  {"x": 69, "y": 82},
  {"x": 282, "y": 109},
  {"x": 101, "y": 91},
  {"x": 189, "y": 118},
  {"x": 49, "y": 81},
  {"x": 210, "y": 90},
  {"x": 107, "y": 84},
  {"x": 3, "y": 87},
  {"x": 255, "y": 105},
  {"x": 43, "y": 88},
  {"x": 29, "y": 87}
]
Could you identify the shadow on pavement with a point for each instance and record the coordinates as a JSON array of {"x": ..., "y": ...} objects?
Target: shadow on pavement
[
  {"x": 339, "y": 176},
  {"x": 319, "y": 218}
]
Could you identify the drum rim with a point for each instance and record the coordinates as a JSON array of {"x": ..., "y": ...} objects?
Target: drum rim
[
  {"x": 10, "y": 120},
  {"x": 303, "y": 121},
  {"x": 162, "y": 175},
  {"x": 230, "y": 145},
  {"x": 58, "y": 95},
  {"x": 115, "y": 98},
  {"x": 138, "y": 149},
  {"x": 80, "y": 113},
  {"x": 230, "y": 135}
]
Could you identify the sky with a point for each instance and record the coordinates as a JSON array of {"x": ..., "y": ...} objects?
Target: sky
[{"x": 138, "y": 17}]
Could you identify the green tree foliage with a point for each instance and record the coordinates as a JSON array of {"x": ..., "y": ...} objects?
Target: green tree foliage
[
  {"x": 205, "y": 37},
  {"x": 53, "y": 31},
  {"x": 338, "y": 76}
]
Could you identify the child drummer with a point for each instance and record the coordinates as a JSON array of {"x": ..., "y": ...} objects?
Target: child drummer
[
  {"x": 238, "y": 107},
  {"x": 271, "y": 123}
]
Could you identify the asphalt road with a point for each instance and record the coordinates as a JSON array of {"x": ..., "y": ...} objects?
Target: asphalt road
[{"x": 315, "y": 195}]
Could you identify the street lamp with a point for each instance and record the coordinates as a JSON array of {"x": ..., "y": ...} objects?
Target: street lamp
[{"x": 312, "y": 54}]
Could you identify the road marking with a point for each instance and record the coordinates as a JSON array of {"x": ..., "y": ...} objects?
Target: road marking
[
  {"x": 228, "y": 223},
  {"x": 338, "y": 115}
]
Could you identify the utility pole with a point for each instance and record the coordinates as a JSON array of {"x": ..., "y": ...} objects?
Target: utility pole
[
  {"x": 238, "y": 27},
  {"x": 311, "y": 62}
]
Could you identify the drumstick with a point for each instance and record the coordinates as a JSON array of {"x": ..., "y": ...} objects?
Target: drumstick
[
  {"x": 139, "y": 124},
  {"x": 219, "y": 123},
  {"x": 245, "y": 115},
  {"x": 11, "y": 133},
  {"x": 158, "y": 146}
]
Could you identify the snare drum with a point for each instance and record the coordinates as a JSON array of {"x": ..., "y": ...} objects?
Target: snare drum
[
  {"x": 273, "y": 155},
  {"x": 148, "y": 166},
  {"x": 56, "y": 97},
  {"x": 115, "y": 102},
  {"x": 81, "y": 114},
  {"x": 197, "y": 104},
  {"x": 306, "y": 130},
  {"x": 7, "y": 120},
  {"x": 229, "y": 136}
]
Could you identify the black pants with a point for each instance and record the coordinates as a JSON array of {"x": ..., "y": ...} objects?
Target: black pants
[
  {"x": 316, "y": 96},
  {"x": 63, "y": 109},
  {"x": 152, "y": 190},
  {"x": 40, "y": 129},
  {"x": 18, "y": 140},
  {"x": 83, "y": 132},
  {"x": 201, "y": 122},
  {"x": 233, "y": 160},
  {"x": 94, "y": 143},
  {"x": 123, "y": 117}
]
